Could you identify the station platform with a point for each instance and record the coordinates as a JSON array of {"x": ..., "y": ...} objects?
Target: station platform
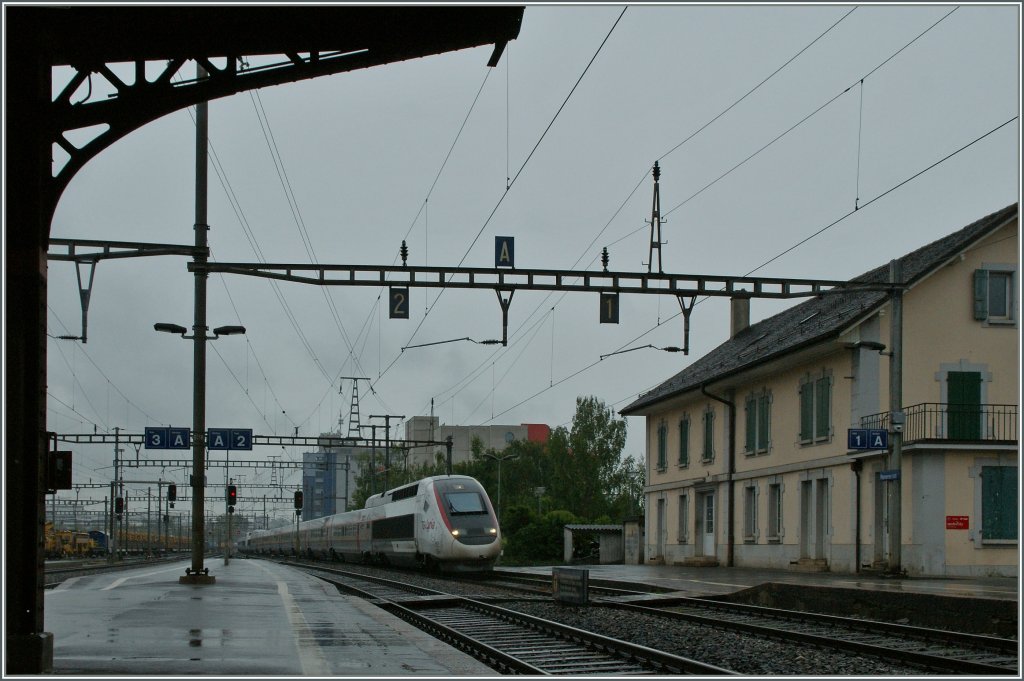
[
  {"x": 721, "y": 581},
  {"x": 257, "y": 619}
]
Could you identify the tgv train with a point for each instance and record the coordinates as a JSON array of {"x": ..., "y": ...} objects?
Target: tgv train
[{"x": 444, "y": 522}]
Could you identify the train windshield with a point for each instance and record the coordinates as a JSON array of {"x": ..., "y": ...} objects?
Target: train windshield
[{"x": 465, "y": 503}]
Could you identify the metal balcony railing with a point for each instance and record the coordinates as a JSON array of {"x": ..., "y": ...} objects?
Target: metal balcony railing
[{"x": 953, "y": 422}]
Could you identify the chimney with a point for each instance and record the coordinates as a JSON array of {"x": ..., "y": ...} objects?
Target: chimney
[{"x": 739, "y": 320}]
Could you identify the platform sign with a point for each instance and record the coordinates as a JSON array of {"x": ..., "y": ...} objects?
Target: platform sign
[
  {"x": 867, "y": 438},
  {"x": 888, "y": 475},
  {"x": 504, "y": 251},
  {"x": 229, "y": 438},
  {"x": 570, "y": 585},
  {"x": 167, "y": 438},
  {"x": 398, "y": 308},
  {"x": 218, "y": 438},
  {"x": 241, "y": 438},
  {"x": 156, "y": 438},
  {"x": 178, "y": 438},
  {"x": 609, "y": 313}
]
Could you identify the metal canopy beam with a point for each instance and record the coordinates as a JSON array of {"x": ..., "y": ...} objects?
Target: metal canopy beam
[{"x": 543, "y": 280}]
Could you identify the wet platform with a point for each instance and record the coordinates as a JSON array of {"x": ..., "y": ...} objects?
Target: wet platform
[
  {"x": 721, "y": 581},
  {"x": 258, "y": 619}
]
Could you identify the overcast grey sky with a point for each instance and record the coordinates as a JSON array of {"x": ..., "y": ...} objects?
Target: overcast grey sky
[{"x": 361, "y": 152}]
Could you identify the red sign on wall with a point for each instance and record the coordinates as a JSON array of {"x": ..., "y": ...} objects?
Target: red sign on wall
[{"x": 958, "y": 522}]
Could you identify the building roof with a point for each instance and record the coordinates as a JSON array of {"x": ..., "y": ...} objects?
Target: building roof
[
  {"x": 821, "y": 318},
  {"x": 594, "y": 528}
]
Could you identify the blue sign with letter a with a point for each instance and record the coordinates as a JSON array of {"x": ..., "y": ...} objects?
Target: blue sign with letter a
[
  {"x": 504, "y": 251},
  {"x": 218, "y": 438},
  {"x": 178, "y": 438}
]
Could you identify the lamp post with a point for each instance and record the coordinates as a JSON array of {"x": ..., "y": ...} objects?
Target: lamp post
[
  {"x": 197, "y": 574},
  {"x": 500, "y": 458}
]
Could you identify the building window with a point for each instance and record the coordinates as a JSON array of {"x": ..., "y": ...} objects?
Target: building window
[
  {"x": 774, "y": 512},
  {"x": 684, "y": 441},
  {"x": 684, "y": 518},
  {"x": 993, "y": 294},
  {"x": 662, "y": 446},
  {"x": 999, "y": 503},
  {"x": 750, "y": 514},
  {"x": 816, "y": 408},
  {"x": 708, "y": 453},
  {"x": 758, "y": 422}
]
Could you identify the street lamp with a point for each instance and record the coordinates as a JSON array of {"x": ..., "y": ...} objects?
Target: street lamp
[
  {"x": 217, "y": 333},
  {"x": 197, "y": 574},
  {"x": 499, "y": 459}
]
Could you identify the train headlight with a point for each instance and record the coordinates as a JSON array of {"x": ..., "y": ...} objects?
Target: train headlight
[
  {"x": 492, "y": 530},
  {"x": 455, "y": 533}
]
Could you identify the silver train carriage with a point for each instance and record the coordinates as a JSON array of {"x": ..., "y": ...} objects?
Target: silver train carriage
[{"x": 443, "y": 522}]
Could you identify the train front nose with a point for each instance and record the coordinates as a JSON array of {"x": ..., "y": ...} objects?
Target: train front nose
[{"x": 476, "y": 534}]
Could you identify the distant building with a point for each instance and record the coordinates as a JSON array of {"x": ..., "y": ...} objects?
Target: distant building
[
  {"x": 428, "y": 428},
  {"x": 328, "y": 480}
]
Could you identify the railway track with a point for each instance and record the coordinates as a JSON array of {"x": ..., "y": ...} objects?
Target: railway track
[
  {"x": 508, "y": 641},
  {"x": 934, "y": 649},
  {"x": 55, "y": 574}
]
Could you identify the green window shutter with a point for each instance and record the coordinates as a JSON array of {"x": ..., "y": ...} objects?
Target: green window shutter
[
  {"x": 806, "y": 411},
  {"x": 998, "y": 502},
  {"x": 823, "y": 409},
  {"x": 981, "y": 294},
  {"x": 751, "y": 443},
  {"x": 763, "y": 422},
  {"x": 661, "y": 446},
  {"x": 709, "y": 435},
  {"x": 684, "y": 442}
]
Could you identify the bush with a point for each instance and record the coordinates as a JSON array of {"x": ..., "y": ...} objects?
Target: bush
[{"x": 541, "y": 539}]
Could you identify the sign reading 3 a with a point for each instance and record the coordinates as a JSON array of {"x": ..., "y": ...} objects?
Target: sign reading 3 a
[{"x": 398, "y": 307}]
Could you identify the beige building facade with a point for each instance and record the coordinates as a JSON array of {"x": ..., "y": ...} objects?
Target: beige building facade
[{"x": 750, "y": 460}]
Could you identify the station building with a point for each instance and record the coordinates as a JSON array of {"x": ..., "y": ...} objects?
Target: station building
[{"x": 749, "y": 461}]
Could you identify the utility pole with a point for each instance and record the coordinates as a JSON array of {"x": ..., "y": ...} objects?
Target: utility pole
[
  {"x": 353, "y": 414},
  {"x": 387, "y": 439},
  {"x": 896, "y": 418},
  {"x": 197, "y": 574}
]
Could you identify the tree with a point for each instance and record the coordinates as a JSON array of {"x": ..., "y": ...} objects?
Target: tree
[{"x": 586, "y": 458}]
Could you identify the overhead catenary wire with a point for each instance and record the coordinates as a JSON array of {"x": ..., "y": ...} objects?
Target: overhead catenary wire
[
  {"x": 518, "y": 173},
  {"x": 645, "y": 174},
  {"x": 104, "y": 375},
  {"x": 776, "y": 257}
]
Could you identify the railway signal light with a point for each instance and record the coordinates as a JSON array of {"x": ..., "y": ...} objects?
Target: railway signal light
[
  {"x": 298, "y": 500},
  {"x": 119, "y": 505},
  {"x": 232, "y": 495},
  {"x": 172, "y": 492}
]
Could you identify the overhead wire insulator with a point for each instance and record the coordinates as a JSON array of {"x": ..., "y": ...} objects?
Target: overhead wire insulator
[
  {"x": 404, "y": 252},
  {"x": 604, "y": 258}
]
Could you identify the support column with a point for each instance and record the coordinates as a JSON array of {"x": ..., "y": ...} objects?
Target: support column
[{"x": 29, "y": 650}]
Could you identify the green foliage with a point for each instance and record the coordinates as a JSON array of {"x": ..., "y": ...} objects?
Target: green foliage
[
  {"x": 516, "y": 518},
  {"x": 542, "y": 539}
]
